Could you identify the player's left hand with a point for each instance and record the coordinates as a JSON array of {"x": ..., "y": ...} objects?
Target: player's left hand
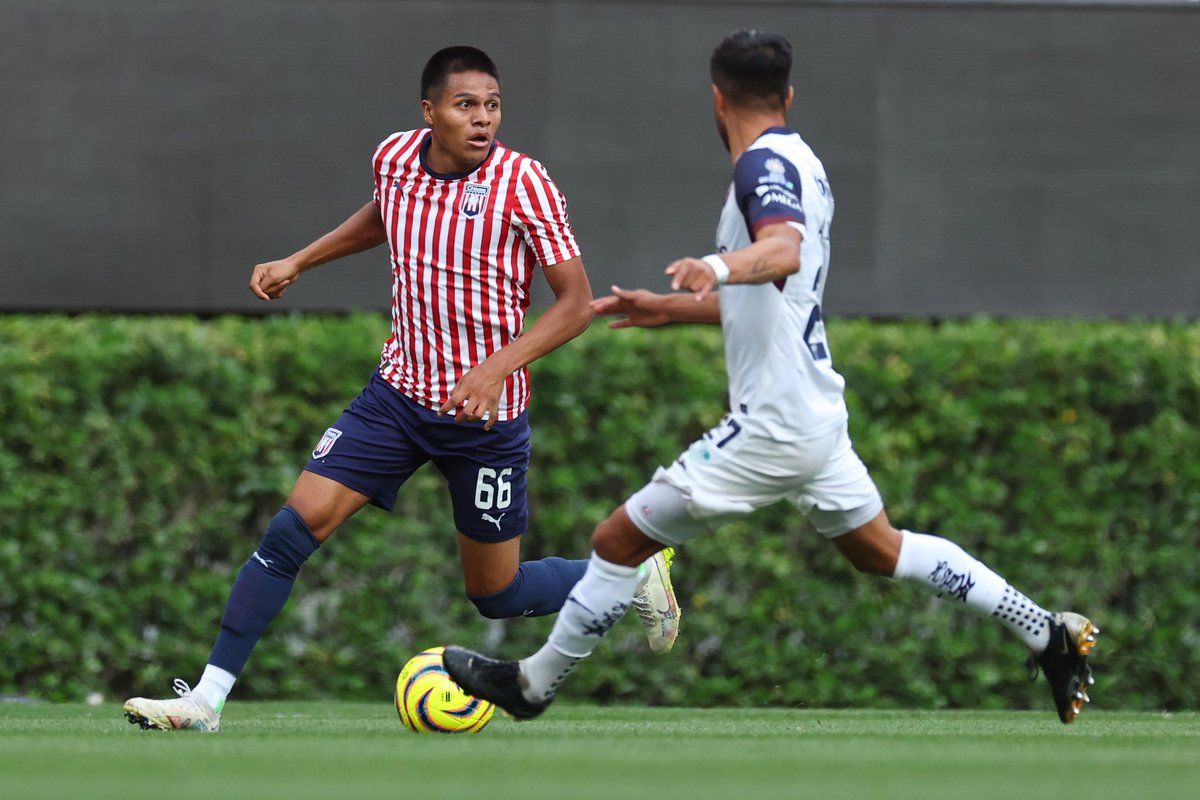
[
  {"x": 477, "y": 397},
  {"x": 692, "y": 275},
  {"x": 270, "y": 280}
]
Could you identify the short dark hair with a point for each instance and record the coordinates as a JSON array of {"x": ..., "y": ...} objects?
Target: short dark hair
[
  {"x": 451, "y": 60},
  {"x": 751, "y": 68}
]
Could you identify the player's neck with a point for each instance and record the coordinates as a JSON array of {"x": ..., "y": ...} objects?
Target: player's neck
[
  {"x": 443, "y": 162},
  {"x": 745, "y": 128}
]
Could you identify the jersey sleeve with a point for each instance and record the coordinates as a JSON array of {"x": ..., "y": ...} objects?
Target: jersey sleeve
[
  {"x": 377, "y": 163},
  {"x": 541, "y": 213},
  {"x": 767, "y": 187}
]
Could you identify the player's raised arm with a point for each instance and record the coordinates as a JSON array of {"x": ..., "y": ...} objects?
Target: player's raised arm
[
  {"x": 362, "y": 231},
  {"x": 773, "y": 255}
]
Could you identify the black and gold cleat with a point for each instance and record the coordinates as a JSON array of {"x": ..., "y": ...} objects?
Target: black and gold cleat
[
  {"x": 1065, "y": 663},
  {"x": 490, "y": 679}
]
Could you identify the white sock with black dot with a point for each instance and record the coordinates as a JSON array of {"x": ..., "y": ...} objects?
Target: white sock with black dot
[
  {"x": 1025, "y": 618},
  {"x": 944, "y": 568}
]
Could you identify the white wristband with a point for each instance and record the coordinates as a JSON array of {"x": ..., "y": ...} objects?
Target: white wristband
[{"x": 719, "y": 267}]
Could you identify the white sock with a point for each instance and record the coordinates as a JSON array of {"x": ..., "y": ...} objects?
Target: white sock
[
  {"x": 948, "y": 571},
  {"x": 601, "y": 597},
  {"x": 544, "y": 671},
  {"x": 214, "y": 686},
  {"x": 1025, "y": 618}
]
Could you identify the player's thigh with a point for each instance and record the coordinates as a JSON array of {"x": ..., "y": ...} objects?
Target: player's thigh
[
  {"x": 487, "y": 477},
  {"x": 841, "y": 497},
  {"x": 371, "y": 450}
]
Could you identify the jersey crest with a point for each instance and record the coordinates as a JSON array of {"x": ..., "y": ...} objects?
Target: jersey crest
[
  {"x": 776, "y": 172},
  {"x": 474, "y": 199}
]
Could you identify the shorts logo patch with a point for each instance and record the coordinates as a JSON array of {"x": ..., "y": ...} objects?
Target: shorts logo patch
[
  {"x": 474, "y": 198},
  {"x": 326, "y": 444}
]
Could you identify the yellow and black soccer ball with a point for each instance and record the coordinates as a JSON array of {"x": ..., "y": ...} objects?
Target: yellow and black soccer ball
[{"x": 429, "y": 702}]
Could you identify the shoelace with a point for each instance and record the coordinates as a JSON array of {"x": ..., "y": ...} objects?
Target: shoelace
[
  {"x": 641, "y": 598},
  {"x": 181, "y": 688}
]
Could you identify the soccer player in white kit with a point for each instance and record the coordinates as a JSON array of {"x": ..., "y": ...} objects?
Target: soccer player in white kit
[{"x": 786, "y": 436}]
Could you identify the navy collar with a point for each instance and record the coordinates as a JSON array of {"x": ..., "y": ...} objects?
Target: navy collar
[
  {"x": 450, "y": 176},
  {"x": 783, "y": 130}
]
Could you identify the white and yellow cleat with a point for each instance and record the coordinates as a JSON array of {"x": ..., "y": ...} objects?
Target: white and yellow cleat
[
  {"x": 188, "y": 712},
  {"x": 655, "y": 602}
]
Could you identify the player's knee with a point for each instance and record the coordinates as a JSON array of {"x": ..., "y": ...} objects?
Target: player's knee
[
  {"x": 504, "y": 604},
  {"x": 872, "y": 563},
  {"x": 286, "y": 545},
  {"x": 618, "y": 541},
  {"x": 872, "y": 549},
  {"x": 607, "y": 542}
]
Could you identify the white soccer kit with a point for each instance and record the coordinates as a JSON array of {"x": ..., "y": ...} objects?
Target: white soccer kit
[
  {"x": 785, "y": 436},
  {"x": 780, "y": 369}
]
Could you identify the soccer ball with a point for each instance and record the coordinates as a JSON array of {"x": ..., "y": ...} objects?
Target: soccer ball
[{"x": 429, "y": 702}]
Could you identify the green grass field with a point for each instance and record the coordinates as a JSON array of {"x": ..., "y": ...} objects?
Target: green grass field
[{"x": 356, "y": 750}]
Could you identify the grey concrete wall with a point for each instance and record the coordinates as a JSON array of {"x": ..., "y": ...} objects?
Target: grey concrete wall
[{"x": 1016, "y": 159}]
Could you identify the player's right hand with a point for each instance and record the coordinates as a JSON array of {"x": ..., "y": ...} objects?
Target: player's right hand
[
  {"x": 637, "y": 308},
  {"x": 269, "y": 281},
  {"x": 693, "y": 275}
]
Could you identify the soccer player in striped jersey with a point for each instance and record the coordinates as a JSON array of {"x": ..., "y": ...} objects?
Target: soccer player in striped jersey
[
  {"x": 468, "y": 222},
  {"x": 786, "y": 436}
]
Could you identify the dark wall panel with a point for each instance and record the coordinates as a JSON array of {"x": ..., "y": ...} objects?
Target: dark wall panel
[{"x": 1007, "y": 159}]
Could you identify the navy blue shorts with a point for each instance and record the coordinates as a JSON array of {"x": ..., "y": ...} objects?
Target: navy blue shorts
[{"x": 383, "y": 437}]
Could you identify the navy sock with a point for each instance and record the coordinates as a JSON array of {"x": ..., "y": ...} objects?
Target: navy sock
[
  {"x": 540, "y": 588},
  {"x": 262, "y": 588}
]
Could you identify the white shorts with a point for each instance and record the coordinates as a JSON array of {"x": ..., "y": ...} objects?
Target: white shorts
[{"x": 732, "y": 470}]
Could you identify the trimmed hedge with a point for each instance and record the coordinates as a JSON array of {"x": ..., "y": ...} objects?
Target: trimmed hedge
[{"x": 140, "y": 459}]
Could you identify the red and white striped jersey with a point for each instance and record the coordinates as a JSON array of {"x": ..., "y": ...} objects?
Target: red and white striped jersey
[{"x": 464, "y": 249}]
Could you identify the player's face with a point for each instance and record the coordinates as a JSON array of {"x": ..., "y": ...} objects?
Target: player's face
[
  {"x": 719, "y": 107},
  {"x": 464, "y": 120},
  {"x": 722, "y": 131}
]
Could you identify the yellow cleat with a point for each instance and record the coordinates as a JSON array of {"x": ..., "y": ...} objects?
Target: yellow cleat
[{"x": 655, "y": 602}]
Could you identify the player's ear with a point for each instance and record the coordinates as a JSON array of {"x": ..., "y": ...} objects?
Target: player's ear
[
  {"x": 427, "y": 112},
  {"x": 790, "y": 96}
]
